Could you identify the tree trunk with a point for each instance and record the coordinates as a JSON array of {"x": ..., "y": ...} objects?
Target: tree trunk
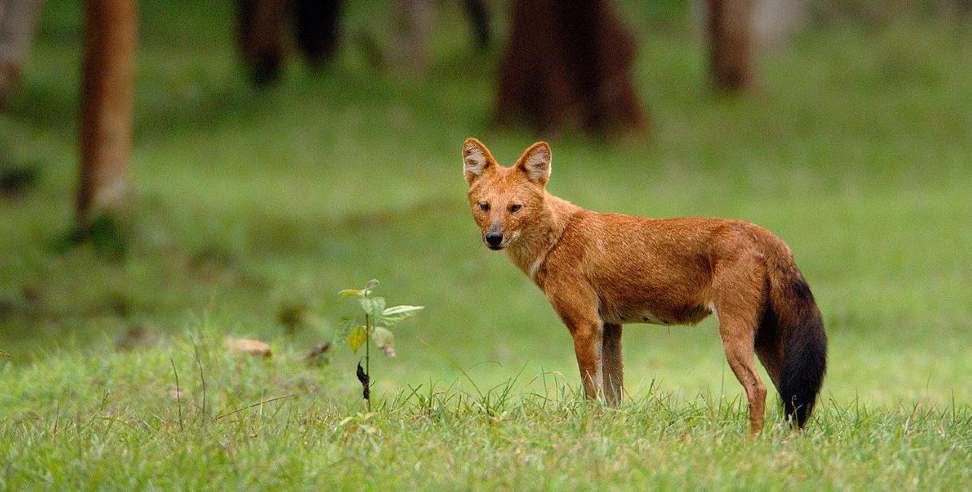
[
  {"x": 106, "y": 106},
  {"x": 413, "y": 25},
  {"x": 569, "y": 62},
  {"x": 262, "y": 24},
  {"x": 18, "y": 21},
  {"x": 730, "y": 44},
  {"x": 478, "y": 15},
  {"x": 318, "y": 29}
]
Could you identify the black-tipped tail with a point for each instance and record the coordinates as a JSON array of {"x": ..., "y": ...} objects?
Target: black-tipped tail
[{"x": 804, "y": 348}]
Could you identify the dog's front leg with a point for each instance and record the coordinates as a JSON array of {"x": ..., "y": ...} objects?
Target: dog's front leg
[
  {"x": 587, "y": 346},
  {"x": 576, "y": 303}
]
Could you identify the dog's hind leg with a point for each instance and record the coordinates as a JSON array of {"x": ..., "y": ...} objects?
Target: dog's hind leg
[
  {"x": 738, "y": 301},
  {"x": 737, "y": 339},
  {"x": 613, "y": 367}
]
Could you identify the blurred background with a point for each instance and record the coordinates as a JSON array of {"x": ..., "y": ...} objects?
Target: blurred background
[{"x": 178, "y": 167}]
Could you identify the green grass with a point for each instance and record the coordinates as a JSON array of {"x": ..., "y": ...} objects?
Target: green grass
[{"x": 855, "y": 150}]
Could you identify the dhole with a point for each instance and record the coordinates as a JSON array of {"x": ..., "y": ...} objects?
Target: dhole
[{"x": 602, "y": 270}]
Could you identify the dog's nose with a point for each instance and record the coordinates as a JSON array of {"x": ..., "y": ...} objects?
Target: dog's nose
[{"x": 494, "y": 238}]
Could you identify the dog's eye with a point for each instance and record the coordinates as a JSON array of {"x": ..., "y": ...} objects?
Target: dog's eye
[
  {"x": 484, "y": 206},
  {"x": 515, "y": 207}
]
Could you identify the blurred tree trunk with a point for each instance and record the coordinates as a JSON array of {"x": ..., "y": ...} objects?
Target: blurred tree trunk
[
  {"x": 479, "y": 20},
  {"x": 106, "y": 105},
  {"x": 262, "y": 25},
  {"x": 730, "y": 44},
  {"x": 263, "y": 33},
  {"x": 18, "y": 21},
  {"x": 318, "y": 29},
  {"x": 569, "y": 61},
  {"x": 413, "y": 25}
]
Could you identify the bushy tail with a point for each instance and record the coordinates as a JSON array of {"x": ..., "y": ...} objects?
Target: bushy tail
[{"x": 801, "y": 332}]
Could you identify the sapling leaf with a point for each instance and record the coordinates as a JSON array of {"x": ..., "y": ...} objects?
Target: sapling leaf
[
  {"x": 357, "y": 337},
  {"x": 379, "y": 307},
  {"x": 366, "y": 304},
  {"x": 369, "y": 287},
  {"x": 344, "y": 328},
  {"x": 373, "y": 306},
  {"x": 350, "y": 293},
  {"x": 395, "y": 314},
  {"x": 384, "y": 339}
]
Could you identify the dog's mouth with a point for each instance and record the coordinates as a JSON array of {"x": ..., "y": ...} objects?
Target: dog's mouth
[{"x": 495, "y": 248}]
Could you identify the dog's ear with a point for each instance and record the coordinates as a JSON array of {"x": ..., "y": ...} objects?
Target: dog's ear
[
  {"x": 476, "y": 159},
  {"x": 535, "y": 163}
]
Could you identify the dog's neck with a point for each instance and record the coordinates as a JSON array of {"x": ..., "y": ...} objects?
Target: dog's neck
[{"x": 530, "y": 251}]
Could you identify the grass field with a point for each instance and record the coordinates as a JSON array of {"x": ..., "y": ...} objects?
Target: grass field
[{"x": 856, "y": 150}]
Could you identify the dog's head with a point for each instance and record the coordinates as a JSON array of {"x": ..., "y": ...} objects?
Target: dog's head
[{"x": 505, "y": 200}]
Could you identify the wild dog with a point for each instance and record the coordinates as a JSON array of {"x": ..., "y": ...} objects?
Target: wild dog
[{"x": 603, "y": 270}]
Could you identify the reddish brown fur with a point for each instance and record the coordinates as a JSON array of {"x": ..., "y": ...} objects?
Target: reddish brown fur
[
  {"x": 106, "y": 105},
  {"x": 601, "y": 270}
]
